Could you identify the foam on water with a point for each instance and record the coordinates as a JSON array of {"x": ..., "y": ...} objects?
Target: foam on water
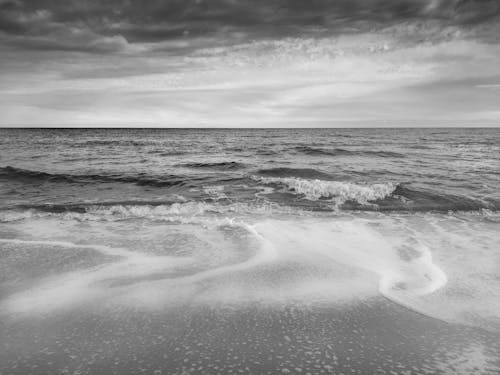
[
  {"x": 338, "y": 191},
  {"x": 74, "y": 288},
  {"x": 466, "y": 249},
  {"x": 355, "y": 244},
  {"x": 132, "y": 278},
  {"x": 168, "y": 212},
  {"x": 439, "y": 265},
  {"x": 309, "y": 242}
]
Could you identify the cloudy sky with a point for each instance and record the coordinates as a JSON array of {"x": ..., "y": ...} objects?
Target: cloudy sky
[{"x": 249, "y": 63}]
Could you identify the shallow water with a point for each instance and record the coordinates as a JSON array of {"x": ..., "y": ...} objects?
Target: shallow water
[{"x": 259, "y": 251}]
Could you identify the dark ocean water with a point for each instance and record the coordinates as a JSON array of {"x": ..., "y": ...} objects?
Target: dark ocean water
[
  {"x": 147, "y": 233},
  {"x": 353, "y": 169}
]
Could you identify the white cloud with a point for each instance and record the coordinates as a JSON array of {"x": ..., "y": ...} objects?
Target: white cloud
[{"x": 376, "y": 76}]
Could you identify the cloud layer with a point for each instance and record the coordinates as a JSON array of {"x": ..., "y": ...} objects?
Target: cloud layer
[
  {"x": 242, "y": 62},
  {"x": 100, "y": 26}
]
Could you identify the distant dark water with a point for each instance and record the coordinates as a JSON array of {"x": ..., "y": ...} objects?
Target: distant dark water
[{"x": 250, "y": 251}]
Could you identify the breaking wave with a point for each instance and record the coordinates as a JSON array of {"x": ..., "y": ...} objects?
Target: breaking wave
[
  {"x": 83, "y": 207},
  {"x": 312, "y": 188},
  {"x": 338, "y": 191},
  {"x": 388, "y": 196},
  {"x": 111, "y": 211}
]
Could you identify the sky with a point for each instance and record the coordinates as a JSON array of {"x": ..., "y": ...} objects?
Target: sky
[{"x": 243, "y": 63}]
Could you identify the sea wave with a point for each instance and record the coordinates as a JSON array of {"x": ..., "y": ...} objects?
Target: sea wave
[
  {"x": 115, "y": 142},
  {"x": 383, "y": 197},
  {"x": 178, "y": 211},
  {"x": 227, "y": 165},
  {"x": 308, "y": 150},
  {"x": 162, "y": 152},
  {"x": 315, "y": 190},
  {"x": 338, "y": 191},
  {"x": 411, "y": 199},
  {"x": 295, "y": 172},
  {"x": 83, "y": 207},
  {"x": 25, "y": 175}
]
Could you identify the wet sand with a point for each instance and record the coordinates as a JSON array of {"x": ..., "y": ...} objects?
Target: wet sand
[{"x": 372, "y": 337}]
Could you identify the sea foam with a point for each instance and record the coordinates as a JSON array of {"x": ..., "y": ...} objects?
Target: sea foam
[
  {"x": 337, "y": 191},
  {"x": 440, "y": 265},
  {"x": 179, "y": 211},
  {"x": 355, "y": 244}
]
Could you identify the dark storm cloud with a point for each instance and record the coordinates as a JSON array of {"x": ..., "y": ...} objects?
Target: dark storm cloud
[{"x": 82, "y": 24}]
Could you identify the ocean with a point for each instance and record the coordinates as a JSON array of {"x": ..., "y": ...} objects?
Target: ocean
[{"x": 262, "y": 251}]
